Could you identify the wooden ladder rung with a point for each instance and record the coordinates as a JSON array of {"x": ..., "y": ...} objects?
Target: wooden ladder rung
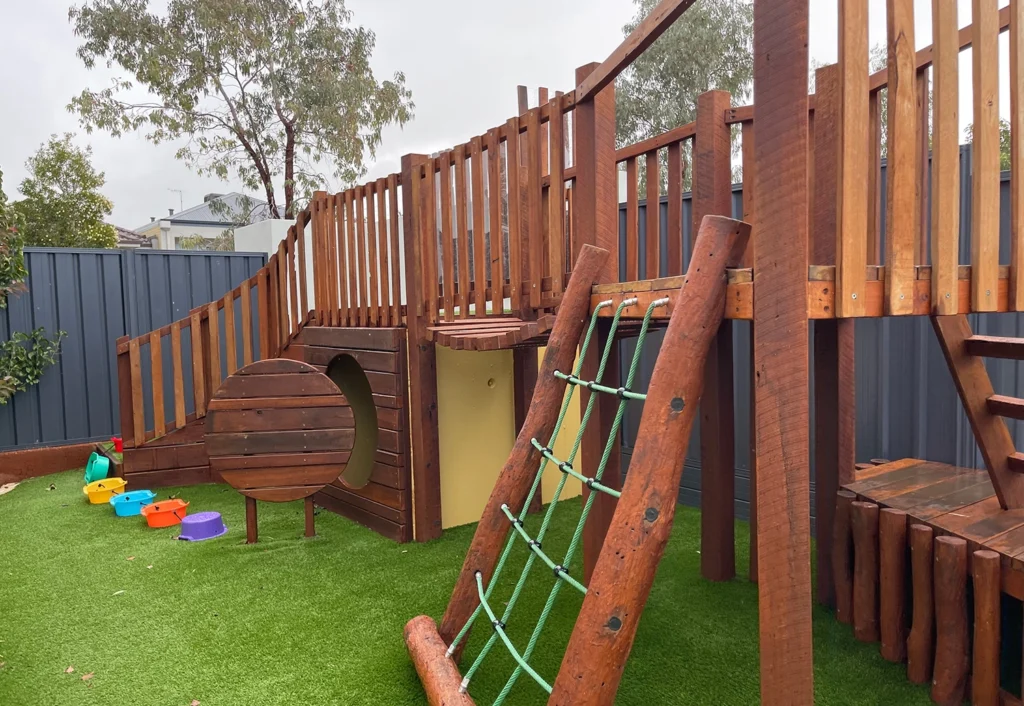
[
  {"x": 1004, "y": 406},
  {"x": 996, "y": 347},
  {"x": 1015, "y": 462}
]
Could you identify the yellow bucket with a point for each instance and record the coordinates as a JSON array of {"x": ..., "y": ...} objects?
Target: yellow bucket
[{"x": 100, "y": 491}]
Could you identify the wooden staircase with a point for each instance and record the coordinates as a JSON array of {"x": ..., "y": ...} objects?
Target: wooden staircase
[{"x": 965, "y": 354}]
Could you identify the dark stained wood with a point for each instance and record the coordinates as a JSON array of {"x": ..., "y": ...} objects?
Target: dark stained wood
[
  {"x": 268, "y": 386},
  {"x": 282, "y": 420},
  {"x": 952, "y": 654},
  {"x": 391, "y": 530},
  {"x": 158, "y": 458},
  {"x": 309, "y": 515},
  {"x": 640, "y": 529},
  {"x": 334, "y": 400},
  {"x": 922, "y": 631},
  {"x": 985, "y": 647},
  {"x": 279, "y": 460},
  {"x": 864, "y": 521},
  {"x": 23, "y": 464},
  {"x": 437, "y": 671},
  {"x": 125, "y": 397},
  {"x": 995, "y": 347},
  {"x": 1005, "y": 406},
  {"x": 842, "y": 557},
  {"x": 225, "y": 444},
  {"x": 892, "y": 559},
  {"x": 362, "y": 501},
  {"x": 524, "y": 380},
  {"x": 375, "y": 339},
  {"x": 251, "y": 531}
]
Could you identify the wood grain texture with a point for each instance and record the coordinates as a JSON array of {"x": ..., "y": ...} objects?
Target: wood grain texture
[
  {"x": 1016, "y": 40},
  {"x": 985, "y": 646},
  {"x": 674, "y": 224},
  {"x": 437, "y": 671},
  {"x": 652, "y": 232},
  {"x": 864, "y": 523},
  {"x": 513, "y": 166},
  {"x": 632, "y": 221},
  {"x": 447, "y": 249},
  {"x": 985, "y": 156},
  {"x": 479, "y": 227},
  {"x": 636, "y": 540},
  {"x": 945, "y": 235},
  {"x": 156, "y": 379},
  {"x": 842, "y": 556},
  {"x": 952, "y": 649},
  {"x": 556, "y": 202},
  {"x": 920, "y": 642},
  {"x": 892, "y": 560},
  {"x": 179, "y": 381}
]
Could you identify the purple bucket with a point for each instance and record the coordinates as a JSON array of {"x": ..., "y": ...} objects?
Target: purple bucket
[{"x": 202, "y": 525}]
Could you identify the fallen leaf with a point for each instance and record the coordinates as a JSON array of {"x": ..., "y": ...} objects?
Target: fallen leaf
[
  {"x": 69, "y": 670},
  {"x": 195, "y": 702},
  {"x": 150, "y": 566},
  {"x": 131, "y": 558},
  {"x": 118, "y": 593},
  {"x": 87, "y": 677},
  {"x": 7, "y": 487},
  {"x": 52, "y": 487}
]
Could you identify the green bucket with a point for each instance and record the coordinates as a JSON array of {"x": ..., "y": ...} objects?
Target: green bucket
[{"x": 97, "y": 468}]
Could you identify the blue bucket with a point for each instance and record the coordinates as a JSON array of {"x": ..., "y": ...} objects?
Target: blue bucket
[
  {"x": 97, "y": 468},
  {"x": 130, "y": 504}
]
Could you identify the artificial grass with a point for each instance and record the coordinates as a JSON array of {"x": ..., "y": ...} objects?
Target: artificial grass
[{"x": 319, "y": 621}]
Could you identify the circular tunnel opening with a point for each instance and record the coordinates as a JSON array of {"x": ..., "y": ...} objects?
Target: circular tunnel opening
[{"x": 350, "y": 378}]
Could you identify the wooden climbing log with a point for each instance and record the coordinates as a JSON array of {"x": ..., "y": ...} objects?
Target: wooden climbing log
[
  {"x": 603, "y": 636},
  {"x": 864, "y": 520},
  {"x": 892, "y": 558},
  {"x": 520, "y": 468},
  {"x": 438, "y": 672},
  {"x": 949, "y": 680},
  {"x": 985, "y": 669},
  {"x": 842, "y": 552},
  {"x": 922, "y": 630}
]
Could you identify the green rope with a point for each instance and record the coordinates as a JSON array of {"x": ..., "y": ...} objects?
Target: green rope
[
  {"x": 499, "y": 629},
  {"x": 565, "y": 467},
  {"x": 534, "y": 545}
]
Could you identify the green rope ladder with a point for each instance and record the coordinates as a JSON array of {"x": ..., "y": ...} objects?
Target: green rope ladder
[{"x": 560, "y": 571}]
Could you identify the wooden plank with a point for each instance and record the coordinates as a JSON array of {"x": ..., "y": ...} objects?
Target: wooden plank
[
  {"x": 462, "y": 227},
  {"x": 949, "y": 682},
  {"x": 512, "y": 170},
  {"x": 138, "y": 411},
  {"x": 276, "y": 402},
  {"x": 653, "y": 231},
  {"x": 124, "y": 394},
  {"x": 920, "y": 642},
  {"x": 874, "y": 254},
  {"x": 924, "y": 149},
  {"x": 495, "y": 234},
  {"x": 674, "y": 225},
  {"x": 293, "y": 298},
  {"x": 781, "y": 352},
  {"x": 386, "y": 298},
  {"x": 394, "y": 531},
  {"x": 361, "y": 252},
  {"x": 289, "y": 418},
  {"x": 215, "y": 372},
  {"x": 179, "y": 377},
  {"x": 632, "y": 222},
  {"x": 284, "y": 320},
  {"x": 230, "y": 339},
  {"x": 479, "y": 227},
  {"x": 352, "y": 257},
  {"x": 985, "y": 645},
  {"x": 665, "y": 139},
  {"x": 1004, "y": 406},
  {"x": 974, "y": 386},
  {"x": 246, "y": 302},
  {"x": 384, "y": 339},
  {"x": 269, "y": 386},
  {"x": 300, "y": 227},
  {"x": 199, "y": 362},
  {"x": 372, "y": 260},
  {"x": 295, "y": 441},
  {"x": 854, "y": 159},
  {"x": 985, "y": 157},
  {"x": 156, "y": 360},
  {"x": 995, "y": 347},
  {"x": 903, "y": 172},
  {"x": 396, "y": 273},
  {"x": 431, "y": 273},
  {"x": 556, "y": 203},
  {"x": 864, "y": 523},
  {"x": 945, "y": 235},
  {"x": 1016, "y": 10},
  {"x": 447, "y": 251},
  {"x": 535, "y": 226},
  {"x": 341, "y": 281}
]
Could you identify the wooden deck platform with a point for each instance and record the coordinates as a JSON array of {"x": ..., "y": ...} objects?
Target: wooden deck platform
[{"x": 953, "y": 501}]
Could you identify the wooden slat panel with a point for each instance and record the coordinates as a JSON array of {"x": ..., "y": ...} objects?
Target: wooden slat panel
[
  {"x": 985, "y": 157},
  {"x": 156, "y": 361},
  {"x": 651, "y": 269},
  {"x": 479, "y": 244},
  {"x": 300, "y": 233},
  {"x": 495, "y": 231},
  {"x": 138, "y": 411},
  {"x": 512, "y": 163},
  {"x": 749, "y": 179},
  {"x": 556, "y": 203},
  {"x": 447, "y": 251},
  {"x": 262, "y": 313},
  {"x": 945, "y": 235},
  {"x": 462, "y": 227},
  {"x": 903, "y": 173},
  {"x": 924, "y": 150},
  {"x": 371, "y": 257},
  {"x": 874, "y": 177},
  {"x": 246, "y": 300},
  {"x": 230, "y": 346},
  {"x": 317, "y": 224},
  {"x": 535, "y": 226},
  {"x": 340, "y": 293},
  {"x": 632, "y": 222},
  {"x": 214, "y": 370},
  {"x": 198, "y": 362},
  {"x": 293, "y": 298},
  {"x": 352, "y": 256},
  {"x": 361, "y": 251},
  {"x": 396, "y": 270},
  {"x": 385, "y": 259},
  {"x": 1016, "y": 155},
  {"x": 854, "y": 159},
  {"x": 179, "y": 378},
  {"x": 284, "y": 319},
  {"x": 430, "y": 275}
]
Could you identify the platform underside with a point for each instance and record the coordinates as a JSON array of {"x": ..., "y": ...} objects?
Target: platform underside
[{"x": 954, "y": 501}]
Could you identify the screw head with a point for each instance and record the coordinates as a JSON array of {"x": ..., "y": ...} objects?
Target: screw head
[{"x": 854, "y": 295}]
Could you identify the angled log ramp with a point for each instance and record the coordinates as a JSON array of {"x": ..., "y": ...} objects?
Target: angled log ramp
[{"x": 640, "y": 528}]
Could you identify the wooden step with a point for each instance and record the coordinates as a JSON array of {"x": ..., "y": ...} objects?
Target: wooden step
[
  {"x": 1015, "y": 462},
  {"x": 1010, "y": 407},
  {"x": 996, "y": 347}
]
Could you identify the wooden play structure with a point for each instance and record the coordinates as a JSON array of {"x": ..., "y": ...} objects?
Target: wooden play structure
[{"x": 511, "y": 240}]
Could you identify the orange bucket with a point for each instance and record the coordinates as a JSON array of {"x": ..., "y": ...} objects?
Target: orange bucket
[{"x": 166, "y": 513}]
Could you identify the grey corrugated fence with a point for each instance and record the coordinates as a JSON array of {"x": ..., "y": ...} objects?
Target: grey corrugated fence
[{"x": 96, "y": 296}]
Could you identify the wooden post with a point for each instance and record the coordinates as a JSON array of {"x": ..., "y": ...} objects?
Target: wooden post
[
  {"x": 864, "y": 519},
  {"x": 124, "y": 394},
  {"x": 524, "y": 380},
  {"x": 892, "y": 553},
  {"x": 597, "y": 223},
  {"x": 922, "y": 631},
  {"x": 251, "y": 533},
  {"x": 712, "y": 195},
  {"x": 987, "y": 596},
  {"x": 834, "y": 383},
  {"x": 310, "y": 517},
  {"x": 949, "y": 682},
  {"x": 842, "y": 557},
  {"x": 422, "y": 411},
  {"x": 781, "y": 352}
]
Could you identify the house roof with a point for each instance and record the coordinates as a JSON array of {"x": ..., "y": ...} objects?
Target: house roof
[
  {"x": 130, "y": 237},
  {"x": 216, "y": 210}
]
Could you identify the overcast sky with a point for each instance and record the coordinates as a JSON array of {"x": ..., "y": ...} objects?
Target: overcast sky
[{"x": 462, "y": 59}]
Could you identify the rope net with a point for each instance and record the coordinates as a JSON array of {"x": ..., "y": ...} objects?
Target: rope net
[{"x": 517, "y": 530}]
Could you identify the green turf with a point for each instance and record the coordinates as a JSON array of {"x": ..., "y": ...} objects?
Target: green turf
[{"x": 297, "y": 621}]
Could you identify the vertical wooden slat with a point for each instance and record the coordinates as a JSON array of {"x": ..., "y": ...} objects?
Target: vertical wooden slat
[
  {"x": 396, "y": 269},
  {"x": 262, "y": 312},
  {"x": 556, "y": 202},
  {"x": 903, "y": 173},
  {"x": 215, "y": 374},
  {"x": 985, "y": 157},
  {"x": 361, "y": 264},
  {"x": 674, "y": 254},
  {"x": 179, "y": 377},
  {"x": 462, "y": 226},
  {"x": 447, "y": 251},
  {"x": 138, "y": 410},
  {"x": 300, "y": 235},
  {"x": 632, "y": 222},
  {"x": 385, "y": 259},
  {"x": 535, "y": 226},
  {"x": 317, "y": 225},
  {"x": 372, "y": 260},
  {"x": 283, "y": 325},
  {"x": 1016, "y": 33},
  {"x": 352, "y": 256},
  {"x": 246, "y": 300},
  {"x": 272, "y": 318},
  {"x": 156, "y": 360},
  {"x": 199, "y": 362},
  {"x": 429, "y": 205},
  {"x": 495, "y": 230},
  {"x": 945, "y": 235},
  {"x": 653, "y": 240},
  {"x": 924, "y": 150},
  {"x": 230, "y": 344},
  {"x": 749, "y": 207},
  {"x": 542, "y": 98},
  {"x": 985, "y": 646},
  {"x": 479, "y": 243},
  {"x": 854, "y": 159},
  {"x": 512, "y": 163},
  {"x": 293, "y": 298},
  {"x": 920, "y": 642},
  {"x": 326, "y": 302},
  {"x": 874, "y": 253},
  {"x": 342, "y": 283}
]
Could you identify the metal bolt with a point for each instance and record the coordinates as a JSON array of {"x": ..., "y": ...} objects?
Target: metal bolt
[
  {"x": 947, "y": 295},
  {"x": 903, "y": 296},
  {"x": 651, "y": 514},
  {"x": 988, "y": 292},
  {"x": 854, "y": 295}
]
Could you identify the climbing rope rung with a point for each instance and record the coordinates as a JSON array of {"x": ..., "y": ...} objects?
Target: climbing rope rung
[
  {"x": 621, "y": 392},
  {"x": 499, "y": 628},
  {"x": 566, "y": 467},
  {"x": 559, "y": 570}
]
